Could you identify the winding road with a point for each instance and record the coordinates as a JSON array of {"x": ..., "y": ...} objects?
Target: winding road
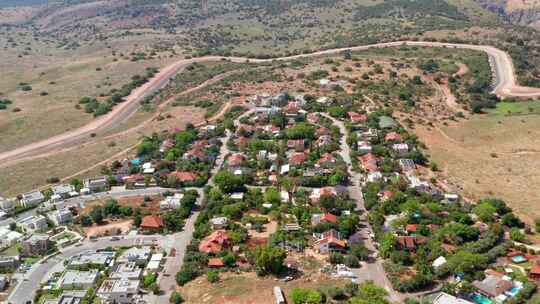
[{"x": 505, "y": 84}]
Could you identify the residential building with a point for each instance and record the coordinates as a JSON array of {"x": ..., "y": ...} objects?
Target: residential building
[
  {"x": 6, "y": 204},
  {"x": 219, "y": 222},
  {"x": 363, "y": 147},
  {"x": 96, "y": 184},
  {"x": 61, "y": 217},
  {"x": 400, "y": 149},
  {"x": 406, "y": 164},
  {"x": 329, "y": 241},
  {"x": 135, "y": 254},
  {"x": 33, "y": 223},
  {"x": 493, "y": 285},
  {"x": 3, "y": 282},
  {"x": 63, "y": 190},
  {"x": 439, "y": 262},
  {"x": 215, "y": 242},
  {"x": 155, "y": 262},
  {"x": 317, "y": 193},
  {"x": 31, "y": 199},
  {"x": 9, "y": 262},
  {"x": 444, "y": 298},
  {"x": 8, "y": 237},
  {"x": 118, "y": 291},
  {"x": 172, "y": 202},
  {"x": 36, "y": 244},
  {"x": 386, "y": 122},
  {"x": 68, "y": 297},
  {"x": 73, "y": 279},
  {"x": 184, "y": 176},
  {"x": 321, "y": 218},
  {"x": 151, "y": 223},
  {"x": 101, "y": 258},
  {"x": 126, "y": 271}
]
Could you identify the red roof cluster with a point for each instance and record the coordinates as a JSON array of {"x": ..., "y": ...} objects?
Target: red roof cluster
[
  {"x": 369, "y": 162},
  {"x": 235, "y": 159},
  {"x": 215, "y": 242},
  {"x": 297, "y": 159}
]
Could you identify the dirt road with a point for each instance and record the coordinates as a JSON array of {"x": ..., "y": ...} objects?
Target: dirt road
[{"x": 505, "y": 85}]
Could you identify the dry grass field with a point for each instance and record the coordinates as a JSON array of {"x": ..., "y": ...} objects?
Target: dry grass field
[
  {"x": 493, "y": 155},
  {"x": 247, "y": 288},
  {"x": 65, "y": 75}
]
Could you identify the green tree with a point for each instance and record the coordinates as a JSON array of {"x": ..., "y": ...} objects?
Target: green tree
[
  {"x": 272, "y": 196},
  {"x": 388, "y": 243},
  {"x": 212, "y": 276},
  {"x": 485, "y": 211},
  {"x": 268, "y": 260},
  {"x": 369, "y": 293},
  {"x": 228, "y": 182},
  {"x": 306, "y": 296},
  {"x": 97, "y": 214}
]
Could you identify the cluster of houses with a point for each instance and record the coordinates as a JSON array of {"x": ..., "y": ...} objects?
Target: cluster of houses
[{"x": 115, "y": 276}]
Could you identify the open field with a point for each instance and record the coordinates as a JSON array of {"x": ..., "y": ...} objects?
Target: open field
[
  {"x": 492, "y": 155},
  {"x": 247, "y": 289}
]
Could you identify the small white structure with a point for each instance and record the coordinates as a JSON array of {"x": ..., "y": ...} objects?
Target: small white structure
[
  {"x": 171, "y": 202},
  {"x": 285, "y": 169},
  {"x": 284, "y": 195},
  {"x": 439, "y": 262},
  {"x": 94, "y": 184},
  {"x": 63, "y": 190},
  {"x": 219, "y": 222},
  {"x": 278, "y": 294},
  {"x": 237, "y": 196},
  {"x": 324, "y": 100},
  {"x": 100, "y": 258},
  {"x": 363, "y": 147},
  {"x": 374, "y": 176},
  {"x": 400, "y": 149}
]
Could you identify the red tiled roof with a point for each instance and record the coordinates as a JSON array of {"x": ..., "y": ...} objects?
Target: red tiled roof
[
  {"x": 295, "y": 142},
  {"x": 411, "y": 227},
  {"x": 408, "y": 242},
  {"x": 297, "y": 159},
  {"x": 215, "y": 242},
  {"x": 184, "y": 176},
  {"x": 322, "y": 131},
  {"x": 151, "y": 222},
  {"x": 393, "y": 136},
  {"x": 329, "y": 217},
  {"x": 327, "y": 158},
  {"x": 535, "y": 269},
  {"x": 356, "y": 117},
  {"x": 215, "y": 262}
]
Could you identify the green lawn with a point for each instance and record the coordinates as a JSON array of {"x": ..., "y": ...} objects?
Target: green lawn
[{"x": 519, "y": 107}]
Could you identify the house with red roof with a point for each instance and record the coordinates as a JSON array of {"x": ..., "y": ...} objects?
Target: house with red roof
[
  {"x": 296, "y": 144},
  {"x": 356, "y": 117},
  {"x": 322, "y": 131},
  {"x": 152, "y": 223},
  {"x": 317, "y": 193},
  {"x": 321, "y": 218},
  {"x": 297, "y": 159},
  {"x": 393, "y": 136},
  {"x": 215, "y": 242},
  {"x": 369, "y": 162},
  {"x": 534, "y": 273},
  {"x": 215, "y": 263},
  {"x": 329, "y": 241},
  {"x": 326, "y": 160},
  {"x": 184, "y": 176},
  {"x": 409, "y": 243}
]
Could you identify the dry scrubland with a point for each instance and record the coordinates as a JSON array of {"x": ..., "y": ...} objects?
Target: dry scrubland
[
  {"x": 492, "y": 155},
  {"x": 65, "y": 75}
]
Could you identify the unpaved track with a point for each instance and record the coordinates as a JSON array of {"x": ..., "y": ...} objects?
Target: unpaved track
[{"x": 505, "y": 85}]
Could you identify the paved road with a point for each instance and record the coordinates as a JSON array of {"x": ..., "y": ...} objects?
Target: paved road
[
  {"x": 373, "y": 270},
  {"x": 505, "y": 85}
]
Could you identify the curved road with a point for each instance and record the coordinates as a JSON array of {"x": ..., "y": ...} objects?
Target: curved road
[{"x": 501, "y": 63}]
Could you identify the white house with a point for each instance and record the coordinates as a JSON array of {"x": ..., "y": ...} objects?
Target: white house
[
  {"x": 9, "y": 238},
  {"x": 60, "y": 217},
  {"x": 118, "y": 291},
  {"x": 171, "y": 202},
  {"x": 31, "y": 199},
  {"x": 363, "y": 147},
  {"x": 32, "y": 223},
  {"x": 400, "y": 149},
  {"x": 73, "y": 279},
  {"x": 6, "y": 205},
  {"x": 439, "y": 262}
]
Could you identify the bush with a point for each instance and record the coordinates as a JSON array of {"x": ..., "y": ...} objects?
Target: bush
[
  {"x": 305, "y": 296},
  {"x": 212, "y": 276},
  {"x": 176, "y": 298}
]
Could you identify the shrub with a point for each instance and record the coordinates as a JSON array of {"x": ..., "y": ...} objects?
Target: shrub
[
  {"x": 176, "y": 298},
  {"x": 212, "y": 276}
]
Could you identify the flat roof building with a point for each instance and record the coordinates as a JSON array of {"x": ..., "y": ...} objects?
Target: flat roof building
[
  {"x": 73, "y": 279},
  {"x": 118, "y": 291}
]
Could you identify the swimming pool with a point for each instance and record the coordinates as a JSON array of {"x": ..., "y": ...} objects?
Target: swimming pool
[
  {"x": 480, "y": 299},
  {"x": 518, "y": 259},
  {"x": 512, "y": 292}
]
